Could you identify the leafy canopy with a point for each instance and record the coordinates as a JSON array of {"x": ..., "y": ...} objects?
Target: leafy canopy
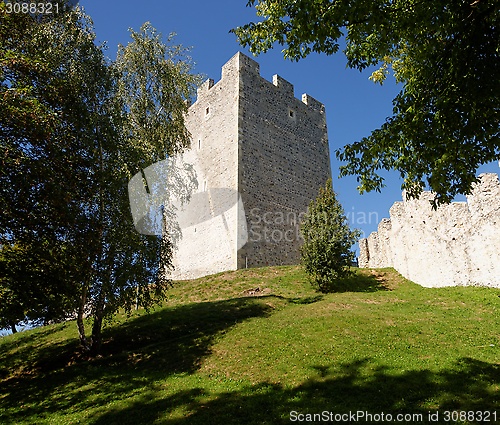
[
  {"x": 36, "y": 284},
  {"x": 53, "y": 84},
  {"x": 326, "y": 252},
  {"x": 74, "y": 129},
  {"x": 445, "y": 54}
]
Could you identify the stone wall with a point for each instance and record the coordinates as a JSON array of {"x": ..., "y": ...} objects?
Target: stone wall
[
  {"x": 260, "y": 156},
  {"x": 283, "y": 160},
  {"x": 207, "y": 245},
  {"x": 457, "y": 244}
]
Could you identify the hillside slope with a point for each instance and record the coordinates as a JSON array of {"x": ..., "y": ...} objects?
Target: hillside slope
[{"x": 259, "y": 346}]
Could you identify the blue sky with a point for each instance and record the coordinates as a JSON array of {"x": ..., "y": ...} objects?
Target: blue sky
[{"x": 354, "y": 105}]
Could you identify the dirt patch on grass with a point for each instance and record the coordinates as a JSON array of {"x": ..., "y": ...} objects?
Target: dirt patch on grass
[
  {"x": 390, "y": 279},
  {"x": 256, "y": 292}
]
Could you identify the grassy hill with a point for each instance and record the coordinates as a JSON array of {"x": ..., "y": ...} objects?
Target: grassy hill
[{"x": 251, "y": 346}]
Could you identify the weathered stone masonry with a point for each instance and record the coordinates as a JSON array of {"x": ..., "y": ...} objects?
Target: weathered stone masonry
[
  {"x": 457, "y": 244},
  {"x": 256, "y": 140}
]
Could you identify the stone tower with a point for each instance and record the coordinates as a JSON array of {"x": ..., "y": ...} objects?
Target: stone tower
[{"x": 260, "y": 156}]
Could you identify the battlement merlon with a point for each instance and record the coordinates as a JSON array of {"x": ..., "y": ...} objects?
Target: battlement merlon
[
  {"x": 483, "y": 200},
  {"x": 238, "y": 63},
  {"x": 313, "y": 103},
  {"x": 283, "y": 85},
  {"x": 204, "y": 87},
  {"x": 229, "y": 70}
]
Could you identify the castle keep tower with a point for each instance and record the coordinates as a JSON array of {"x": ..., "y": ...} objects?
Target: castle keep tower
[{"x": 260, "y": 156}]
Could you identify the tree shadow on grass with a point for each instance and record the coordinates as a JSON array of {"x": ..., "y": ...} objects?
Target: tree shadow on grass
[
  {"x": 471, "y": 385},
  {"x": 30, "y": 347},
  {"x": 305, "y": 300},
  {"x": 176, "y": 340},
  {"x": 361, "y": 282},
  {"x": 137, "y": 352}
]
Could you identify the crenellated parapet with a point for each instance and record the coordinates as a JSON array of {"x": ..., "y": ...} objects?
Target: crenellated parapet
[
  {"x": 457, "y": 244},
  {"x": 241, "y": 64}
]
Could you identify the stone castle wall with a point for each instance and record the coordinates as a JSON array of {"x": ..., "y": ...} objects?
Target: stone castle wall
[
  {"x": 283, "y": 160},
  {"x": 457, "y": 244},
  {"x": 206, "y": 245},
  {"x": 252, "y": 141}
]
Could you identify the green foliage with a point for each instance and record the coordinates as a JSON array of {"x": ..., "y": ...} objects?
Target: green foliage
[
  {"x": 151, "y": 83},
  {"x": 54, "y": 83},
  {"x": 36, "y": 284},
  {"x": 445, "y": 54},
  {"x": 74, "y": 129},
  {"x": 326, "y": 252},
  {"x": 155, "y": 83}
]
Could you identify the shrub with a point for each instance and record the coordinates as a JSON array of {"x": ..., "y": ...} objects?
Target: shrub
[{"x": 326, "y": 252}]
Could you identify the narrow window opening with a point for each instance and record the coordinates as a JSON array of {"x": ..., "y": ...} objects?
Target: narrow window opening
[
  {"x": 205, "y": 186},
  {"x": 291, "y": 114},
  {"x": 199, "y": 144},
  {"x": 207, "y": 111}
]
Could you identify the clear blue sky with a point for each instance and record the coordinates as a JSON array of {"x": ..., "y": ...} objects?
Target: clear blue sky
[{"x": 354, "y": 105}]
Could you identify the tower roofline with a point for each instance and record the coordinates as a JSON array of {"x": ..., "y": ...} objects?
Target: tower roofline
[{"x": 243, "y": 63}]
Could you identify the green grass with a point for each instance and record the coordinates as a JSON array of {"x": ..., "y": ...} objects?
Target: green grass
[{"x": 219, "y": 352}]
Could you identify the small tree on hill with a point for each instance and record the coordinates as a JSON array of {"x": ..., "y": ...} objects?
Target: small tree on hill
[{"x": 326, "y": 253}]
